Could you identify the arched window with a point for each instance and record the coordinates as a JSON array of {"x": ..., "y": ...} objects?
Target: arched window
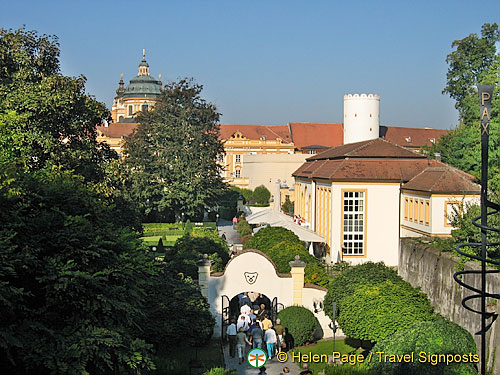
[{"x": 120, "y": 119}]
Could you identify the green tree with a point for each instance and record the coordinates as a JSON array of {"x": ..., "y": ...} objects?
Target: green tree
[
  {"x": 261, "y": 194},
  {"x": 46, "y": 118},
  {"x": 183, "y": 315},
  {"x": 284, "y": 252},
  {"x": 269, "y": 236},
  {"x": 374, "y": 312},
  {"x": 351, "y": 278},
  {"x": 474, "y": 61},
  {"x": 436, "y": 337},
  {"x": 72, "y": 279},
  {"x": 171, "y": 158},
  {"x": 470, "y": 64},
  {"x": 190, "y": 248}
]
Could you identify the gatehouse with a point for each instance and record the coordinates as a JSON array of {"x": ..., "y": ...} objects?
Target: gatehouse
[{"x": 253, "y": 271}]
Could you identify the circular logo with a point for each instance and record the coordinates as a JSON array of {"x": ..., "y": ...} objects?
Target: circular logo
[{"x": 256, "y": 358}]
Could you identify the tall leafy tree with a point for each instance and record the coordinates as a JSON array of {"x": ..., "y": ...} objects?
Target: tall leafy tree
[
  {"x": 48, "y": 118},
  {"x": 474, "y": 61},
  {"x": 171, "y": 158},
  {"x": 74, "y": 280}
]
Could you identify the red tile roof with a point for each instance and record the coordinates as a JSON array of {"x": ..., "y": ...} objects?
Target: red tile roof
[
  {"x": 320, "y": 134},
  {"x": 364, "y": 169},
  {"x": 411, "y": 137},
  {"x": 443, "y": 179},
  {"x": 256, "y": 132},
  {"x": 375, "y": 148},
  {"x": 117, "y": 130}
]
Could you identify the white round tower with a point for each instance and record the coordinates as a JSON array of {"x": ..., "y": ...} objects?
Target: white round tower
[{"x": 361, "y": 117}]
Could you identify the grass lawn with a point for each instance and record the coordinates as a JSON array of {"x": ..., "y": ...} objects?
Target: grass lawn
[
  {"x": 324, "y": 347},
  {"x": 175, "y": 361}
]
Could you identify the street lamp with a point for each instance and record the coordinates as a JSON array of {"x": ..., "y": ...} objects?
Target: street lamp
[{"x": 332, "y": 324}]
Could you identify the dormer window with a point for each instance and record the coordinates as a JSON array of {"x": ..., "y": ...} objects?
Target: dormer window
[{"x": 408, "y": 139}]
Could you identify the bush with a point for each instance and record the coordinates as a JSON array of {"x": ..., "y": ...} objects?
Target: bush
[
  {"x": 437, "y": 337},
  {"x": 220, "y": 371},
  {"x": 284, "y": 252},
  {"x": 243, "y": 228},
  {"x": 165, "y": 293},
  {"x": 190, "y": 248},
  {"x": 375, "y": 312},
  {"x": 188, "y": 228},
  {"x": 261, "y": 194},
  {"x": 349, "y": 370},
  {"x": 287, "y": 206},
  {"x": 267, "y": 237},
  {"x": 351, "y": 278},
  {"x": 301, "y": 323}
]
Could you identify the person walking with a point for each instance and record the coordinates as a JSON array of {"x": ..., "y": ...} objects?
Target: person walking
[
  {"x": 231, "y": 335},
  {"x": 266, "y": 323},
  {"x": 280, "y": 331},
  {"x": 270, "y": 338},
  {"x": 241, "y": 341},
  {"x": 243, "y": 322},
  {"x": 257, "y": 335}
]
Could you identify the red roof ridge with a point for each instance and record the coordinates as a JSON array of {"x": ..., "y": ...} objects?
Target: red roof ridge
[{"x": 272, "y": 131}]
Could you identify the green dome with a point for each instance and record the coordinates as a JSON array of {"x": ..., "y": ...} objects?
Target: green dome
[{"x": 143, "y": 86}]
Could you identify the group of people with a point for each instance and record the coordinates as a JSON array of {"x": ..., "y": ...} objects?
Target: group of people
[{"x": 253, "y": 327}]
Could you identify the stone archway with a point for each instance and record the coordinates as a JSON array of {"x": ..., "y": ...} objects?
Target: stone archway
[{"x": 250, "y": 270}]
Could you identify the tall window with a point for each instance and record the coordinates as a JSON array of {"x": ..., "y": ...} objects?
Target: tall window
[
  {"x": 238, "y": 173},
  {"x": 238, "y": 158},
  {"x": 144, "y": 107},
  {"x": 130, "y": 110},
  {"x": 354, "y": 223}
]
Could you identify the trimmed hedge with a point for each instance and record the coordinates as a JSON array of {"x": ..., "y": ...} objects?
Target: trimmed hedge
[
  {"x": 437, "y": 337},
  {"x": 269, "y": 236},
  {"x": 284, "y": 252},
  {"x": 351, "y": 278},
  {"x": 375, "y": 312},
  {"x": 301, "y": 323}
]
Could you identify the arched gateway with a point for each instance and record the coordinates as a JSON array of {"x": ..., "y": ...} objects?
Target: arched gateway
[{"x": 252, "y": 270}]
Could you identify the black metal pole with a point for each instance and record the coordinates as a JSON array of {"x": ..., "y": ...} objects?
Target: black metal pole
[{"x": 485, "y": 93}]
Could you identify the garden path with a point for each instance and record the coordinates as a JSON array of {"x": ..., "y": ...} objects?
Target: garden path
[
  {"x": 226, "y": 227},
  {"x": 273, "y": 367}
]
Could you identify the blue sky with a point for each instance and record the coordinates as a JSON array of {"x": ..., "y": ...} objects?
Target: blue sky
[{"x": 269, "y": 62}]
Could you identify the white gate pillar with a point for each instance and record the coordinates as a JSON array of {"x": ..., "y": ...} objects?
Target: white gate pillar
[{"x": 204, "y": 274}]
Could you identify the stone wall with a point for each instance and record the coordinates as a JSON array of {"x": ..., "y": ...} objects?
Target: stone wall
[{"x": 432, "y": 271}]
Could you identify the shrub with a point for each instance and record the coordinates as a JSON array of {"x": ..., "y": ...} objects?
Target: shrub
[
  {"x": 164, "y": 294},
  {"x": 284, "y": 252},
  {"x": 220, "y": 371},
  {"x": 188, "y": 228},
  {"x": 437, "y": 337},
  {"x": 287, "y": 206},
  {"x": 351, "y": 278},
  {"x": 261, "y": 194},
  {"x": 243, "y": 228},
  {"x": 267, "y": 237},
  {"x": 301, "y": 323},
  {"x": 190, "y": 248},
  {"x": 349, "y": 370},
  {"x": 375, "y": 312}
]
